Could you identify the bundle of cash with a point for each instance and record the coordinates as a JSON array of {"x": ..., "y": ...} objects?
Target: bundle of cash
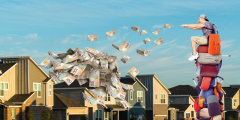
[
  {"x": 71, "y": 58},
  {"x": 133, "y": 28},
  {"x": 125, "y": 103},
  {"x": 58, "y": 66},
  {"x": 146, "y": 40},
  {"x": 110, "y": 33},
  {"x": 167, "y": 25},
  {"x": 143, "y": 32},
  {"x": 127, "y": 86},
  {"x": 47, "y": 63},
  {"x": 68, "y": 78},
  {"x": 82, "y": 81},
  {"x": 125, "y": 58},
  {"x": 92, "y": 37},
  {"x": 94, "y": 77},
  {"x": 93, "y": 100},
  {"x": 156, "y": 32},
  {"x": 104, "y": 65},
  {"x": 133, "y": 72},
  {"x": 124, "y": 47},
  {"x": 99, "y": 92},
  {"x": 117, "y": 84},
  {"x": 143, "y": 52},
  {"x": 158, "y": 41},
  {"x": 78, "y": 70}
]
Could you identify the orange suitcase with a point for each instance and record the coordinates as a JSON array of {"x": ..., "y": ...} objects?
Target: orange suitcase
[{"x": 214, "y": 44}]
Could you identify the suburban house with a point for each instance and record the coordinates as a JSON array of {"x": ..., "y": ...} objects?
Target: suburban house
[
  {"x": 157, "y": 104},
  {"x": 232, "y": 101},
  {"x": 136, "y": 98},
  {"x": 184, "y": 96},
  {"x": 24, "y": 86}
]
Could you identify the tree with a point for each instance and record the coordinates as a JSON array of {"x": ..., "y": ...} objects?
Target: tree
[
  {"x": 52, "y": 117},
  {"x": 45, "y": 115},
  {"x": 30, "y": 115},
  {"x": 134, "y": 116}
]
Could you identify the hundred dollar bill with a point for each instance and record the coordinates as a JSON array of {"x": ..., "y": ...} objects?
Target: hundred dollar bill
[
  {"x": 156, "y": 32},
  {"x": 47, "y": 63},
  {"x": 143, "y": 32},
  {"x": 146, "y": 40},
  {"x": 89, "y": 62},
  {"x": 82, "y": 81},
  {"x": 70, "y": 58},
  {"x": 104, "y": 65},
  {"x": 124, "y": 47},
  {"x": 125, "y": 58},
  {"x": 118, "y": 94},
  {"x": 95, "y": 63},
  {"x": 58, "y": 66},
  {"x": 133, "y": 28},
  {"x": 117, "y": 85},
  {"x": 125, "y": 104},
  {"x": 93, "y": 51},
  {"x": 94, "y": 77},
  {"x": 93, "y": 100},
  {"x": 112, "y": 59},
  {"x": 67, "y": 78},
  {"x": 127, "y": 86},
  {"x": 158, "y": 41},
  {"x": 54, "y": 76},
  {"x": 92, "y": 37},
  {"x": 133, "y": 72},
  {"x": 143, "y": 52},
  {"x": 113, "y": 66},
  {"x": 103, "y": 75},
  {"x": 55, "y": 56},
  {"x": 167, "y": 25},
  {"x": 85, "y": 74},
  {"x": 62, "y": 55},
  {"x": 99, "y": 92},
  {"x": 78, "y": 70},
  {"x": 110, "y": 33},
  {"x": 84, "y": 56},
  {"x": 104, "y": 83}
]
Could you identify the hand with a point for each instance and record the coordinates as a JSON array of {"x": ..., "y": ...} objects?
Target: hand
[
  {"x": 204, "y": 112},
  {"x": 184, "y": 26}
]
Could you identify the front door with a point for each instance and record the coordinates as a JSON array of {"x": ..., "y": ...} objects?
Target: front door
[{"x": 115, "y": 115}]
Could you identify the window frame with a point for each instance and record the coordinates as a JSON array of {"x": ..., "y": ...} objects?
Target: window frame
[
  {"x": 107, "y": 96},
  {"x": 3, "y": 89},
  {"x": 98, "y": 115},
  {"x": 131, "y": 95},
  {"x": 189, "y": 115},
  {"x": 37, "y": 89},
  {"x": 234, "y": 102},
  {"x": 162, "y": 98},
  {"x": 49, "y": 89},
  {"x": 14, "y": 113},
  {"x": 106, "y": 116},
  {"x": 139, "y": 96}
]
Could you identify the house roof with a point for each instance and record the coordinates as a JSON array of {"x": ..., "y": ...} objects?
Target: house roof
[
  {"x": 74, "y": 84},
  {"x": 183, "y": 96},
  {"x": 184, "y": 90},
  {"x": 230, "y": 92},
  {"x": 181, "y": 107},
  {"x": 129, "y": 80},
  {"x": 6, "y": 66},
  {"x": 18, "y": 99},
  {"x": 235, "y": 86},
  {"x": 61, "y": 101}
]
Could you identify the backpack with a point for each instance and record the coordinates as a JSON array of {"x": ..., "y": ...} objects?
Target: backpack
[{"x": 215, "y": 31}]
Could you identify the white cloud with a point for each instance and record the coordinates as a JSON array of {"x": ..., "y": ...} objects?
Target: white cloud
[
  {"x": 14, "y": 39},
  {"x": 226, "y": 44},
  {"x": 157, "y": 26},
  {"x": 125, "y": 27},
  {"x": 31, "y": 36}
]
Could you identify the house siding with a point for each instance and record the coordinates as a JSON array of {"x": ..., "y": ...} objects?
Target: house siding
[
  {"x": 49, "y": 99},
  {"x": 10, "y": 78},
  {"x": 159, "y": 89},
  {"x": 236, "y": 96},
  {"x": 134, "y": 102},
  {"x": 228, "y": 104}
]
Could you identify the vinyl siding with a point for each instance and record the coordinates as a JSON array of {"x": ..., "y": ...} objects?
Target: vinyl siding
[
  {"x": 159, "y": 89},
  {"x": 236, "y": 96},
  {"x": 9, "y": 77},
  {"x": 49, "y": 99},
  {"x": 134, "y": 102}
]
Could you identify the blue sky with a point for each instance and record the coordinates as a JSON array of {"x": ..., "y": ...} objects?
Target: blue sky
[{"x": 32, "y": 28}]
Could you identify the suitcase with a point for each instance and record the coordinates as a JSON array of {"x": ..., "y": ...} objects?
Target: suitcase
[
  {"x": 208, "y": 70},
  {"x": 205, "y": 83},
  {"x": 214, "y": 44},
  {"x": 202, "y": 49},
  {"x": 207, "y": 59}
]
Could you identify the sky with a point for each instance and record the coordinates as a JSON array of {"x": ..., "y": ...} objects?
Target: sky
[{"x": 32, "y": 28}]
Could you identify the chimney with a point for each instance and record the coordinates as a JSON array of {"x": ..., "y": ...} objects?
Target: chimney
[{"x": 0, "y": 72}]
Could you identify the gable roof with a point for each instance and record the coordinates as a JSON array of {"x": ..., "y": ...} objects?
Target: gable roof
[
  {"x": 154, "y": 76},
  {"x": 235, "y": 86},
  {"x": 6, "y": 66},
  {"x": 74, "y": 84},
  {"x": 61, "y": 101},
  {"x": 184, "y": 90},
  {"x": 183, "y": 96},
  {"x": 230, "y": 92},
  {"x": 30, "y": 58},
  {"x": 129, "y": 80},
  {"x": 181, "y": 107},
  {"x": 18, "y": 99}
]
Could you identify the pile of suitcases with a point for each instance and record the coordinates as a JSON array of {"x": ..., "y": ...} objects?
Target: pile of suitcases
[{"x": 209, "y": 85}]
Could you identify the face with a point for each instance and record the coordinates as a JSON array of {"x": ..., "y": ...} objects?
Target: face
[{"x": 200, "y": 20}]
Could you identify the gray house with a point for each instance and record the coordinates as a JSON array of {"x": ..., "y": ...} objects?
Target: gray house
[{"x": 136, "y": 98}]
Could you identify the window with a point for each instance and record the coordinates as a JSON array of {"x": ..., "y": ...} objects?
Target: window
[
  {"x": 3, "y": 86},
  {"x": 106, "y": 114},
  {"x": 192, "y": 113},
  {"x": 173, "y": 116},
  {"x": 98, "y": 115},
  {"x": 162, "y": 98},
  {"x": 156, "y": 96},
  {"x": 13, "y": 114},
  {"x": 37, "y": 87},
  {"x": 140, "y": 96},
  {"x": 131, "y": 95},
  {"x": 234, "y": 102},
  {"x": 192, "y": 106},
  {"x": 50, "y": 89},
  {"x": 187, "y": 115},
  {"x": 107, "y": 97}
]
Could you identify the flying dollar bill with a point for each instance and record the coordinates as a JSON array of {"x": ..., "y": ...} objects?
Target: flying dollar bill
[
  {"x": 143, "y": 32},
  {"x": 124, "y": 47},
  {"x": 133, "y": 72},
  {"x": 125, "y": 58},
  {"x": 71, "y": 58},
  {"x": 127, "y": 86},
  {"x": 94, "y": 77},
  {"x": 110, "y": 33},
  {"x": 78, "y": 70},
  {"x": 143, "y": 52},
  {"x": 158, "y": 41},
  {"x": 146, "y": 40},
  {"x": 47, "y": 63},
  {"x": 167, "y": 25},
  {"x": 62, "y": 55},
  {"x": 82, "y": 81},
  {"x": 67, "y": 78},
  {"x": 99, "y": 92},
  {"x": 133, "y": 28},
  {"x": 125, "y": 103},
  {"x": 93, "y": 51},
  {"x": 59, "y": 66},
  {"x": 156, "y": 32},
  {"x": 93, "y": 100},
  {"x": 92, "y": 37}
]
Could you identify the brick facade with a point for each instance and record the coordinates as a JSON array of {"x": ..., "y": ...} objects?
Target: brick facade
[{"x": 8, "y": 113}]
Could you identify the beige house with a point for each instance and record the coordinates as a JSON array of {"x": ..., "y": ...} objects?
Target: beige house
[{"x": 24, "y": 86}]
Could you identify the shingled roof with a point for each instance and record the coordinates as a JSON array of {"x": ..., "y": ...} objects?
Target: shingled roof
[
  {"x": 6, "y": 66},
  {"x": 230, "y": 92},
  {"x": 127, "y": 80},
  {"x": 181, "y": 107},
  {"x": 184, "y": 90},
  {"x": 63, "y": 102},
  {"x": 18, "y": 99},
  {"x": 74, "y": 84}
]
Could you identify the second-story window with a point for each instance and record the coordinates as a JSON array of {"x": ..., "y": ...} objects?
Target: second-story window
[
  {"x": 50, "y": 89},
  {"x": 98, "y": 115},
  {"x": 37, "y": 87},
  {"x": 131, "y": 95},
  {"x": 234, "y": 102},
  {"x": 140, "y": 96},
  {"x": 162, "y": 98},
  {"x": 156, "y": 96},
  {"x": 3, "y": 86},
  {"x": 107, "y": 97}
]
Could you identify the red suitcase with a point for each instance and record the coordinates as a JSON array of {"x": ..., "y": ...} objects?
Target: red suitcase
[
  {"x": 208, "y": 70},
  {"x": 202, "y": 49}
]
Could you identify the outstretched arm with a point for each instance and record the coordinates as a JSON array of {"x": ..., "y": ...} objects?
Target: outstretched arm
[{"x": 193, "y": 26}]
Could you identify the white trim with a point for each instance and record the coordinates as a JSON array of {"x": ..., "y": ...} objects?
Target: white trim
[
  {"x": 8, "y": 69},
  {"x": 130, "y": 95},
  {"x": 160, "y": 115},
  {"x": 233, "y": 101},
  {"x": 140, "y": 96},
  {"x": 29, "y": 97},
  {"x": 164, "y": 98},
  {"x": 28, "y": 77},
  {"x": 37, "y": 89},
  {"x": 49, "y": 89},
  {"x": 189, "y": 114}
]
